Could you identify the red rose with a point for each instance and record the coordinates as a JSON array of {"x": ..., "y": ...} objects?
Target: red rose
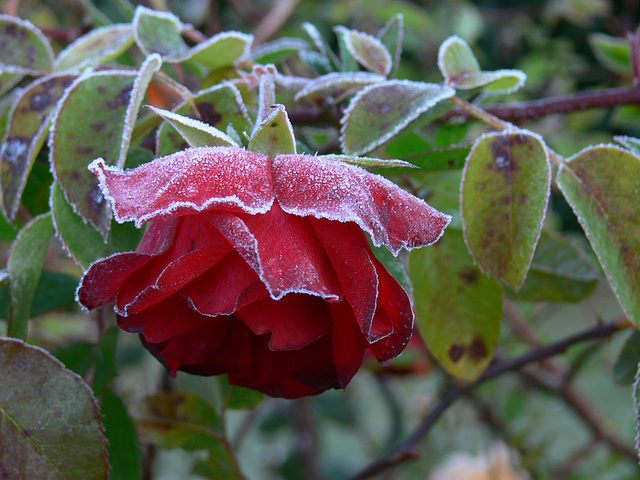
[{"x": 260, "y": 268}]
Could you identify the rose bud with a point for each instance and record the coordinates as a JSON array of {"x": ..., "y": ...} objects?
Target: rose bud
[{"x": 260, "y": 268}]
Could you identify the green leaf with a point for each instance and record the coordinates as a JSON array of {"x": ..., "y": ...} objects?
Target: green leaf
[
  {"x": 441, "y": 189},
  {"x": 367, "y": 50},
  {"x": 559, "y": 272},
  {"x": 624, "y": 371},
  {"x": 380, "y": 111},
  {"x": 630, "y": 143},
  {"x": 277, "y": 50},
  {"x": 105, "y": 360},
  {"x": 49, "y": 420},
  {"x": 221, "y": 50},
  {"x": 95, "y": 119},
  {"x": 321, "y": 45},
  {"x": 274, "y": 135},
  {"x": 505, "y": 190},
  {"x": 220, "y": 106},
  {"x": 601, "y": 184},
  {"x": 24, "y": 48},
  {"x": 391, "y": 36},
  {"x": 462, "y": 71},
  {"x": 99, "y": 45},
  {"x": 236, "y": 397},
  {"x": 221, "y": 464},
  {"x": 125, "y": 455},
  {"x": 458, "y": 308},
  {"x": 27, "y": 131},
  {"x": 394, "y": 265},
  {"x": 195, "y": 132},
  {"x": 77, "y": 357},
  {"x": 24, "y": 266},
  {"x": 180, "y": 420},
  {"x": 338, "y": 83},
  {"x": 613, "y": 53},
  {"x": 159, "y": 32},
  {"x": 367, "y": 162},
  {"x": 8, "y": 80}
]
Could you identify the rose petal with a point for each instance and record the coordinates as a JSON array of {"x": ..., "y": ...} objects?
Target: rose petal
[
  {"x": 165, "y": 319},
  {"x": 294, "y": 321},
  {"x": 306, "y": 185},
  {"x": 284, "y": 251},
  {"x": 197, "y": 247},
  {"x": 394, "y": 307},
  {"x": 189, "y": 181},
  {"x": 229, "y": 285},
  {"x": 347, "y": 342},
  {"x": 194, "y": 347},
  {"x": 352, "y": 264}
]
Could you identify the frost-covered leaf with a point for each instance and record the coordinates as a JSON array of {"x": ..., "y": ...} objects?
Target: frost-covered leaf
[
  {"x": 95, "y": 119},
  {"x": 125, "y": 455},
  {"x": 274, "y": 135},
  {"x": 368, "y": 161},
  {"x": 221, "y": 50},
  {"x": 462, "y": 71},
  {"x": 391, "y": 36},
  {"x": 82, "y": 240},
  {"x": 630, "y": 143},
  {"x": 559, "y": 272},
  {"x": 24, "y": 49},
  {"x": 26, "y": 133},
  {"x": 380, "y": 111},
  {"x": 321, "y": 45},
  {"x": 180, "y": 420},
  {"x": 99, "y": 45},
  {"x": 601, "y": 184},
  {"x": 220, "y": 106},
  {"x": 367, "y": 50},
  {"x": 505, "y": 189},
  {"x": 24, "y": 267},
  {"x": 278, "y": 50},
  {"x": 458, "y": 308},
  {"x": 49, "y": 420},
  {"x": 195, "y": 132},
  {"x": 338, "y": 83},
  {"x": 159, "y": 32},
  {"x": 614, "y": 53}
]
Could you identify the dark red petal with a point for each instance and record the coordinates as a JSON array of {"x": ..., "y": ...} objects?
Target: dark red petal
[
  {"x": 101, "y": 282},
  {"x": 306, "y": 185},
  {"x": 284, "y": 251},
  {"x": 189, "y": 181},
  {"x": 168, "y": 318},
  {"x": 394, "y": 307},
  {"x": 347, "y": 342},
  {"x": 197, "y": 247},
  {"x": 194, "y": 347},
  {"x": 294, "y": 321},
  {"x": 159, "y": 236},
  {"x": 229, "y": 285}
]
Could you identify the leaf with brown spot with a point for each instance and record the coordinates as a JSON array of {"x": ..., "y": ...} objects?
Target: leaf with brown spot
[
  {"x": 602, "y": 185},
  {"x": 24, "y": 48},
  {"x": 458, "y": 309},
  {"x": 26, "y": 133},
  {"x": 504, "y": 191}
]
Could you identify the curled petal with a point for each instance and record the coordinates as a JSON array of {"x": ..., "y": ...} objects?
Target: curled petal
[
  {"x": 284, "y": 251},
  {"x": 189, "y": 181},
  {"x": 306, "y": 185}
]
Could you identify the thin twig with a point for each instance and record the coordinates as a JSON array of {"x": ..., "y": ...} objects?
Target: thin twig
[
  {"x": 277, "y": 16},
  {"x": 406, "y": 451}
]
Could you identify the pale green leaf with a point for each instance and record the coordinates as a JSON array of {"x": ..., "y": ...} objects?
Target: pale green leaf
[
  {"x": 274, "y": 135},
  {"x": 391, "y": 36},
  {"x": 380, "y": 111},
  {"x": 49, "y": 420},
  {"x": 278, "y": 50},
  {"x": 614, "y": 53},
  {"x": 458, "y": 308},
  {"x": 159, "y": 32},
  {"x": 505, "y": 190},
  {"x": 602, "y": 185},
  {"x": 338, "y": 83},
  {"x": 221, "y": 50},
  {"x": 367, "y": 50},
  {"x": 99, "y": 45},
  {"x": 195, "y": 132},
  {"x": 24, "y": 266}
]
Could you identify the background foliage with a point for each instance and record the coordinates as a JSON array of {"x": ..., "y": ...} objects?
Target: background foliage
[{"x": 571, "y": 415}]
